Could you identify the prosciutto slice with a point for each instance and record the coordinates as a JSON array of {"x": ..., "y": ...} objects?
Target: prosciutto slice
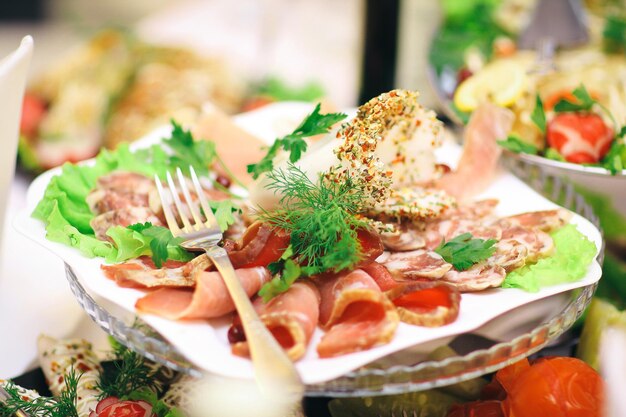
[
  {"x": 416, "y": 264},
  {"x": 142, "y": 273},
  {"x": 478, "y": 164},
  {"x": 355, "y": 314},
  {"x": 291, "y": 317},
  {"x": 209, "y": 299}
]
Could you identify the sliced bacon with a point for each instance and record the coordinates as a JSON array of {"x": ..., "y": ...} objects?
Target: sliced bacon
[
  {"x": 478, "y": 164},
  {"x": 479, "y": 277},
  {"x": 546, "y": 220},
  {"x": 426, "y": 303},
  {"x": 209, "y": 299},
  {"x": 260, "y": 245},
  {"x": 291, "y": 317},
  {"x": 355, "y": 314},
  {"x": 142, "y": 273},
  {"x": 416, "y": 264}
]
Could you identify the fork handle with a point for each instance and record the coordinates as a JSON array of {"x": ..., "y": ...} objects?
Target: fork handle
[{"x": 272, "y": 366}]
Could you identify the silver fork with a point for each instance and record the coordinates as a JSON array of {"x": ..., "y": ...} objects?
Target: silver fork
[{"x": 272, "y": 367}]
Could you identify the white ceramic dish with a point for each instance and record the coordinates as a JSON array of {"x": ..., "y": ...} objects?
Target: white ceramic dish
[{"x": 205, "y": 343}]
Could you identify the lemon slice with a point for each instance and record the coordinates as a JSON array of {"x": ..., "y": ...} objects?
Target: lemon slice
[{"x": 501, "y": 82}]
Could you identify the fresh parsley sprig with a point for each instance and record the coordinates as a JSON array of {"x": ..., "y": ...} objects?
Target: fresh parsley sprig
[
  {"x": 294, "y": 143},
  {"x": 322, "y": 221},
  {"x": 538, "y": 116},
  {"x": 464, "y": 251},
  {"x": 161, "y": 241}
]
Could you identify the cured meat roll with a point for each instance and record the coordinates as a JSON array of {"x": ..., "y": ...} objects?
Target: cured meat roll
[
  {"x": 426, "y": 303},
  {"x": 291, "y": 317},
  {"x": 58, "y": 357},
  {"x": 209, "y": 299},
  {"x": 355, "y": 314}
]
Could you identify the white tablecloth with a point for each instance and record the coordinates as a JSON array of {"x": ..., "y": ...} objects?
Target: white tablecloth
[{"x": 34, "y": 296}]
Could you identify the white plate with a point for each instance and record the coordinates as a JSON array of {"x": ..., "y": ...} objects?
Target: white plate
[{"x": 205, "y": 343}]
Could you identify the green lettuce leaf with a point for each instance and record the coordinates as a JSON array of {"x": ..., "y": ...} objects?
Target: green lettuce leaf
[
  {"x": 67, "y": 215},
  {"x": 573, "y": 254}
]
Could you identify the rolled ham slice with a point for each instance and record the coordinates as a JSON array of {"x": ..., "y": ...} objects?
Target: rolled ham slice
[
  {"x": 260, "y": 245},
  {"x": 291, "y": 317},
  {"x": 355, "y": 314},
  {"x": 142, "y": 273},
  {"x": 209, "y": 299},
  {"x": 426, "y": 303}
]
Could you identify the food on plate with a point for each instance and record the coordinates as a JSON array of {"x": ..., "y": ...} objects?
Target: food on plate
[
  {"x": 291, "y": 317},
  {"x": 117, "y": 88},
  {"x": 348, "y": 235},
  {"x": 80, "y": 386},
  {"x": 59, "y": 358}
]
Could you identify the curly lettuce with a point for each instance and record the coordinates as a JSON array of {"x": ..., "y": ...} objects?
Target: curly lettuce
[
  {"x": 67, "y": 216},
  {"x": 572, "y": 255}
]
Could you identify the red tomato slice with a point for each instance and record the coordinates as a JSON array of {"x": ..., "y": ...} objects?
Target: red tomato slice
[
  {"x": 33, "y": 111},
  {"x": 580, "y": 137}
]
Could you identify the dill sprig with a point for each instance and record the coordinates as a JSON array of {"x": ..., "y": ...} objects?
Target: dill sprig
[
  {"x": 130, "y": 373},
  {"x": 322, "y": 220},
  {"x": 62, "y": 406}
]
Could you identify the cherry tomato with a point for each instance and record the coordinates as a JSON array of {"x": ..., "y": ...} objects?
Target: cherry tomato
[
  {"x": 555, "y": 387},
  {"x": 33, "y": 111},
  {"x": 580, "y": 137}
]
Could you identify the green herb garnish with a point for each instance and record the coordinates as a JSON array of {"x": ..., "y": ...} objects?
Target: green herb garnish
[
  {"x": 294, "y": 143},
  {"x": 62, "y": 406},
  {"x": 321, "y": 219},
  {"x": 584, "y": 102},
  {"x": 515, "y": 144},
  {"x": 131, "y": 373},
  {"x": 538, "y": 116},
  {"x": 286, "y": 271},
  {"x": 464, "y": 251},
  {"x": 615, "y": 159},
  {"x": 160, "y": 240}
]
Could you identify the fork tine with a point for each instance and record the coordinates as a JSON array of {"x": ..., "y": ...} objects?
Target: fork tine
[
  {"x": 190, "y": 203},
  {"x": 178, "y": 204},
  {"x": 167, "y": 210},
  {"x": 211, "y": 221}
]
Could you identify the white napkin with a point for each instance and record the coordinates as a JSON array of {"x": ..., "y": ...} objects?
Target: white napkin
[{"x": 13, "y": 71}]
